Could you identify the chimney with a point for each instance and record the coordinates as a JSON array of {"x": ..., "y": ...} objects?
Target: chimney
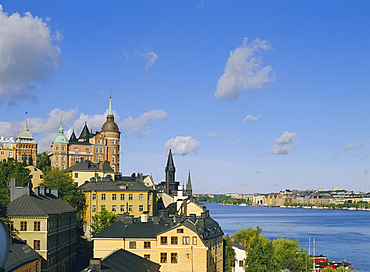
[
  {"x": 16, "y": 192},
  {"x": 232, "y": 239},
  {"x": 144, "y": 217},
  {"x": 95, "y": 264}
]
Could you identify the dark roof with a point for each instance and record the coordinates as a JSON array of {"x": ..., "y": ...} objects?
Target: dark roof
[
  {"x": 73, "y": 138},
  {"x": 37, "y": 205},
  {"x": 134, "y": 230},
  {"x": 90, "y": 166},
  {"x": 124, "y": 261},
  {"x": 85, "y": 133},
  {"x": 237, "y": 245},
  {"x": 20, "y": 254},
  {"x": 204, "y": 226},
  {"x": 170, "y": 165},
  {"x": 114, "y": 186}
]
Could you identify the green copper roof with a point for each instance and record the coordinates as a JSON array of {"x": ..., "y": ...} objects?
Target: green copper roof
[
  {"x": 61, "y": 139},
  {"x": 110, "y": 112}
]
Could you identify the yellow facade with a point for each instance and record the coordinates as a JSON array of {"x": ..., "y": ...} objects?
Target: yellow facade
[
  {"x": 36, "y": 175},
  {"x": 34, "y": 266},
  {"x": 7, "y": 148},
  {"x": 179, "y": 249}
]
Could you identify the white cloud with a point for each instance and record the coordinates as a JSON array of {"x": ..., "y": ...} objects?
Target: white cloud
[
  {"x": 150, "y": 57},
  {"x": 244, "y": 70},
  {"x": 141, "y": 123},
  {"x": 182, "y": 145},
  {"x": 212, "y": 134},
  {"x": 356, "y": 145},
  {"x": 284, "y": 143},
  {"x": 27, "y": 55},
  {"x": 249, "y": 118}
]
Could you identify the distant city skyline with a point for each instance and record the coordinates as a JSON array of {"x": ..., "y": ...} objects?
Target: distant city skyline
[{"x": 251, "y": 96}]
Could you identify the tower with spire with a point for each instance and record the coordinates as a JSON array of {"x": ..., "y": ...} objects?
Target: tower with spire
[
  {"x": 189, "y": 189},
  {"x": 96, "y": 147},
  {"x": 26, "y": 146}
]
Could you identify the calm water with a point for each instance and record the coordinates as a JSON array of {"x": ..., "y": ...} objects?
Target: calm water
[{"x": 339, "y": 234}]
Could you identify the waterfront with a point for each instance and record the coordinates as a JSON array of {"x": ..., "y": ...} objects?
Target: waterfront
[{"x": 339, "y": 234}]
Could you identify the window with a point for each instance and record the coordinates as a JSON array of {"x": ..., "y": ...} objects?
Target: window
[
  {"x": 10, "y": 154},
  {"x": 56, "y": 158},
  {"x": 180, "y": 230},
  {"x": 62, "y": 158},
  {"x": 149, "y": 197},
  {"x": 93, "y": 196},
  {"x": 101, "y": 150},
  {"x": 173, "y": 240},
  {"x": 113, "y": 151},
  {"x": 2, "y": 153},
  {"x": 87, "y": 150},
  {"x": 97, "y": 150},
  {"x": 163, "y": 240},
  {"x": 241, "y": 263},
  {"x": 36, "y": 244},
  {"x": 146, "y": 244},
  {"x": 113, "y": 159},
  {"x": 122, "y": 208},
  {"x": 23, "y": 225},
  {"x": 147, "y": 256},
  {"x": 130, "y": 208},
  {"x": 36, "y": 226},
  {"x": 194, "y": 240},
  {"x": 62, "y": 148},
  {"x": 122, "y": 196},
  {"x": 113, "y": 141},
  {"x": 76, "y": 175},
  {"x": 102, "y": 196},
  {"x": 99, "y": 141},
  {"x": 76, "y": 149},
  {"x": 141, "y": 208},
  {"x": 11, "y": 225},
  {"x": 114, "y": 208},
  {"x": 141, "y": 197},
  {"x": 173, "y": 257},
  {"x": 130, "y": 196},
  {"x": 163, "y": 257},
  {"x": 114, "y": 196},
  {"x": 185, "y": 240},
  {"x": 93, "y": 208},
  {"x": 56, "y": 148},
  {"x": 132, "y": 245},
  {"x": 149, "y": 208}
]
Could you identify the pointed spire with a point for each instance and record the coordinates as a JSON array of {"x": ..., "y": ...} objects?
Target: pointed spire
[
  {"x": 188, "y": 186},
  {"x": 110, "y": 112},
  {"x": 170, "y": 164}
]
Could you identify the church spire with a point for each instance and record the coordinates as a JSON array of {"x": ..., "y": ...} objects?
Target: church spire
[
  {"x": 25, "y": 127},
  {"x": 189, "y": 189},
  {"x": 170, "y": 172}
]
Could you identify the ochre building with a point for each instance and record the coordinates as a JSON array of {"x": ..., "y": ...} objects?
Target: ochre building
[{"x": 95, "y": 147}]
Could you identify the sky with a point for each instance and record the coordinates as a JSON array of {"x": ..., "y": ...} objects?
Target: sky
[{"x": 251, "y": 96}]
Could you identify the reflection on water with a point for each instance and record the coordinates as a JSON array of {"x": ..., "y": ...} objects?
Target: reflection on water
[{"x": 340, "y": 234}]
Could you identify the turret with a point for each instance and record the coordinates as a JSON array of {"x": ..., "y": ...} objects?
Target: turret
[{"x": 170, "y": 172}]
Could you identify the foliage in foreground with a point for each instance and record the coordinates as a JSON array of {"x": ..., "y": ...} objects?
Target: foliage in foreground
[
  {"x": 276, "y": 255},
  {"x": 229, "y": 255},
  {"x": 103, "y": 220}
]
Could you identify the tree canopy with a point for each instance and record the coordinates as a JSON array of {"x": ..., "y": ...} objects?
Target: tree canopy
[
  {"x": 229, "y": 255},
  {"x": 43, "y": 162},
  {"x": 103, "y": 220}
]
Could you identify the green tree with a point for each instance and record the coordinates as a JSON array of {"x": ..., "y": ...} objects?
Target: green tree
[
  {"x": 229, "y": 255},
  {"x": 247, "y": 234},
  {"x": 103, "y": 220},
  {"x": 260, "y": 254},
  {"x": 287, "y": 255},
  {"x": 12, "y": 169},
  {"x": 68, "y": 191},
  {"x": 43, "y": 162}
]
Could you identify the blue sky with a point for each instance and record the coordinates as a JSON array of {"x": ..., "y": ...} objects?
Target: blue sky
[{"x": 252, "y": 96}]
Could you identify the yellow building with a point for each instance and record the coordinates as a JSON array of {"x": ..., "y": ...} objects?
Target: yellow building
[
  {"x": 181, "y": 243},
  {"x": 85, "y": 170},
  {"x": 23, "y": 149},
  {"x": 36, "y": 175},
  {"x": 125, "y": 194},
  {"x": 96, "y": 147},
  {"x": 46, "y": 223}
]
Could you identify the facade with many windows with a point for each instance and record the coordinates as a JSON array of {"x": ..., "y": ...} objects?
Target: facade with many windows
[
  {"x": 46, "y": 223},
  {"x": 180, "y": 243},
  {"x": 126, "y": 194},
  {"x": 95, "y": 147},
  {"x": 23, "y": 149}
]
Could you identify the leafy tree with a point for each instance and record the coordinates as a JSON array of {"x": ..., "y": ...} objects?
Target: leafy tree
[
  {"x": 12, "y": 169},
  {"x": 288, "y": 256},
  {"x": 229, "y": 255},
  {"x": 103, "y": 220},
  {"x": 247, "y": 234},
  {"x": 68, "y": 190},
  {"x": 43, "y": 162},
  {"x": 260, "y": 254}
]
